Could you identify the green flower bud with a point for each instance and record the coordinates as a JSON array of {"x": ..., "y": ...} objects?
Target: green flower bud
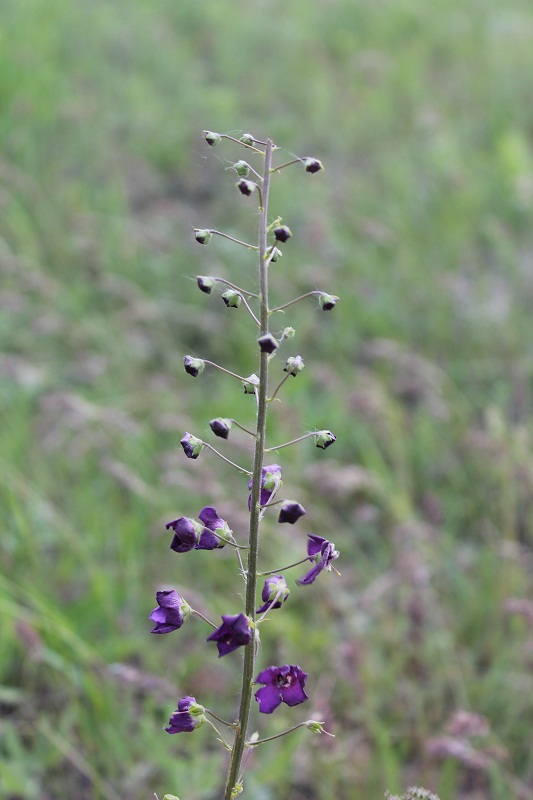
[
  {"x": 327, "y": 301},
  {"x": 324, "y": 439},
  {"x": 170, "y": 797},
  {"x": 205, "y": 283},
  {"x": 316, "y": 727},
  {"x": 288, "y": 333},
  {"x": 202, "y": 235},
  {"x": 242, "y": 168},
  {"x": 212, "y": 138},
  {"x": 246, "y": 187},
  {"x": 312, "y": 165},
  {"x": 294, "y": 365},
  {"x": 247, "y": 138},
  {"x": 273, "y": 254},
  {"x": 250, "y": 384},
  {"x": 193, "y": 366},
  {"x": 232, "y": 298}
]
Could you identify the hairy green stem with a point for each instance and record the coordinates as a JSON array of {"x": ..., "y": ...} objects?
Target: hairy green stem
[{"x": 239, "y": 742}]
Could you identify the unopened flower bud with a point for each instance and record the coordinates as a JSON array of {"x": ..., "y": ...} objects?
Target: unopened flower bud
[
  {"x": 192, "y": 446},
  {"x": 291, "y": 511},
  {"x": 242, "y": 168},
  {"x": 202, "y": 235},
  {"x": 267, "y": 343},
  {"x": 282, "y": 233},
  {"x": 205, "y": 283},
  {"x": 194, "y": 366},
  {"x": 312, "y": 165},
  {"x": 232, "y": 298},
  {"x": 288, "y": 333},
  {"x": 212, "y": 138},
  {"x": 246, "y": 187},
  {"x": 316, "y": 727},
  {"x": 273, "y": 254},
  {"x": 250, "y": 384},
  {"x": 294, "y": 365},
  {"x": 275, "y": 592},
  {"x": 171, "y": 797},
  {"x": 220, "y": 427},
  {"x": 247, "y": 138},
  {"x": 327, "y": 301},
  {"x": 324, "y": 439}
]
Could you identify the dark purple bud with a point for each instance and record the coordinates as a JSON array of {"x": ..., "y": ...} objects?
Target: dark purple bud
[
  {"x": 212, "y": 138},
  {"x": 247, "y": 138},
  {"x": 232, "y": 298},
  {"x": 202, "y": 235},
  {"x": 267, "y": 343},
  {"x": 312, "y": 165},
  {"x": 205, "y": 283},
  {"x": 291, "y": 512},
  {"x": 192, "y": 447},
  {"x": 294, "y": 365},
  {"x": 212, "y": 524},
  {"x": 282, "y": 233},
  {"x": 242, "y": 168},
  {"x": 327, "y": 301},
  {"x": 171, "y": 612},
  {"x": 186, "y": 534},
  {"x": 246, "y": 187},
  {"x": 234, "y": 632},
  {"x": 282, "y": 685},
  {"x": 273, "y": 254},
  {"x": 250, "y": 384},
  {"x": 275, "y": 586},
  {"x": 220, "y": 427},
  {"x": 324, "y": 439},
  {"x": 270, "y": 483},
  {"x": 194, "y": 366},
  {"x": 322, "y": 553},
  {"x": 188, "y": 716}
]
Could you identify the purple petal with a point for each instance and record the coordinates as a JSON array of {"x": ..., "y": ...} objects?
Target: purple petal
[
  {"x": 210, "y": 518},
  {"x": 269, "y": 698},
  {"x": 208, "y": 541},
  {"x": 314, "y": 545},
  {"x": 294, "y": 695}
]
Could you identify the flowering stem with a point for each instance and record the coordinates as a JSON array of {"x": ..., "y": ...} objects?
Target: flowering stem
[
  {"x": 278, "y": 387},
  {"x": 293, "y": 441},
  {"x": 276, "y": 736},
  {"x": 234, "y": 286},
  {"x": 296, "y": 300},
  {"x": 232, "y": 239},
  {"x": 241, "y": 469},
  {"x": 239, "y": 741},
  {"x": 280, "y": 569}
]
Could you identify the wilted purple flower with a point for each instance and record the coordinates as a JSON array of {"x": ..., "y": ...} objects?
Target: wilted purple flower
[
  {"x": 274, "y": 585},
  {"x": 283, "y": 685},
  {"x": 322, "y": 553},
  {"x": 324, "y": 439},
  {"x": 192, "y": 446},
  {"x": 188, "y": 716},
  {"x": 327, "y": 301},
  {"x": 234, "y": 632},
  {"x": 194, "y": 366},
  {"x": 270, "y": 483},
  {"x": 313, "y": 165},
  {"x": 205, "y": 283},
  {"x": 268, "y": 343},
  {"x": 220, "y": 427},
  {"x": 246, "y": 187},
  {"x": 186, "y": 533},
  {"x": 291, "y": 511},
  {"x": 211, "y": 520},
  {"x": 171, "y": 612},
  {"x": 231, "y": 298},
  {"x": 282, "y": 233}
]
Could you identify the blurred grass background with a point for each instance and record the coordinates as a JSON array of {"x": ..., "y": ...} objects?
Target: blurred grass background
[{"x": 422, "y": 115}]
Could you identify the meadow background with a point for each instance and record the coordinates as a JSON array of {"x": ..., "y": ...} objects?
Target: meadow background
[{"x": 422, "y": 114}]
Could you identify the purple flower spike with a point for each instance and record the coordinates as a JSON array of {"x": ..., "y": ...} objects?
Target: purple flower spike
[
  {"x": 291, "y": 512},
  {"x": 275, "y": 585},
  {"x": 186, "y": 533},
  {"x": 171, "y": 612},
  {"x": 192, "y": 446},
  {"x": 211, "y": 520},
  {"x": 234, "y": 632},
  {"x": 283, "y": 685},
  {"x": 270, "y": 483},
  {"x": 322, "y": 553},
  {"x": 188, "y": 716}
]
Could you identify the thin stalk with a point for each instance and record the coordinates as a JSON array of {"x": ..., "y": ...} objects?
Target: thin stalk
[
  {"x": 276, "y": 735},
  {"x": 278, "y": 387},
  {"x": 287, "y": 164},
  {"x": 234, "y": 286},
  {"x": 238, "y": 424},
  {"x": 296, "y": 300},
  {"x": 223, "y": 369},
  {"x": 251, "y": 313},
  {"x": 239, "y": 741},
  {"x": 287, "y": 444},
  {"x": 249, "y": 146},
  {"x": 197, "y": 614},
  {"x": 233, "y": 239},
  {"x": 233, "y": 464},
  {"x": 280, "y": 569}
]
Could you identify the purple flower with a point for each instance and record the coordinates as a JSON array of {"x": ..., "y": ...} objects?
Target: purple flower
[
  {"x": 291, "y": 512},
  {"x": 171, "y": 612},
  {"x": 322, "y": 553},
  {"x": 275, "y": 586},
  {"x": 188, "y": 716},
  {"x": 324, "y": 439},
  {"x": 194, "y": 366},
  {"x": 220, "y": 427},
  {"x": 192, "y": 447},
  {"x": 283, "y": 685},
  {"x": 246, "y": 187},
  {"x": 205, "y": 283},
  {"x": 270, "y": 483},
  {"x": 234, "y": 632},
  {"x": 327, "y": 301},
  {"x": 267, "y": 343},
  {"x": 282, "y": 233},
  {"x": 186, "y": 533},
  {"x": 313, "y": 165},
  {"x": 209, "y": 540}
]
